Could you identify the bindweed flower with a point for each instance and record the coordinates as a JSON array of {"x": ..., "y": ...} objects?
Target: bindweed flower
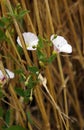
[
  {"x": 60, "y": 44},
  {"x": 4, "y": 78},
  {"x": 8, "y": 74},
  {"x": 31, "y": 40}
]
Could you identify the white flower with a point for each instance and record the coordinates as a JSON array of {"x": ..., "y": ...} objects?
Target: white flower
[
  {"x": 60, "y": 44},
  {"x": 31, "y": 40},
  {"x": 8, "y": 74}
]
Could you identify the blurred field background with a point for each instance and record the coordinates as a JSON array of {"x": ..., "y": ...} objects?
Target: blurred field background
[{"x": 65, "y": 75}]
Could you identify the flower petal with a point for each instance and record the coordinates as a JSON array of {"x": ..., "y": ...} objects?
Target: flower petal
[
  {"x": 9, "y": 74},
  {"x": 1, "y": 75},
  {"x": 31, "y": 40},
  {"x": 60, "y": 44},
  {"x": 66, "y": 48}
]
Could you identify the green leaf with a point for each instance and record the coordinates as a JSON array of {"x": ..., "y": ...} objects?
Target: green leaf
[
  {"x": 7, "y": 117},
  {"x": 19, "y": 15},
  {"x": 1, "y": 112},
  {"x": 2, "y": 24},
  {"x": 22, "y": 77},
  {"x": 2, "y": 35},
  {"x": 40, "y": 43},
  {"x": 51, "y": 58},
  {"x": 19, "y": 91},
  {"x": 31, "y": 82},
  {"x": 29, "y": 117},
  {"x": 41, "y": 55},
  {"x": 27, "y": 93},
  {"x": 5, "y": 20},
  {"x": 15, "y": 127},
  {"x": 33, "y": 69},
  {"x": 18, "y": 71},
  {"x": 20, "y": 50},
  {"x": 22, "y": 13}
]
